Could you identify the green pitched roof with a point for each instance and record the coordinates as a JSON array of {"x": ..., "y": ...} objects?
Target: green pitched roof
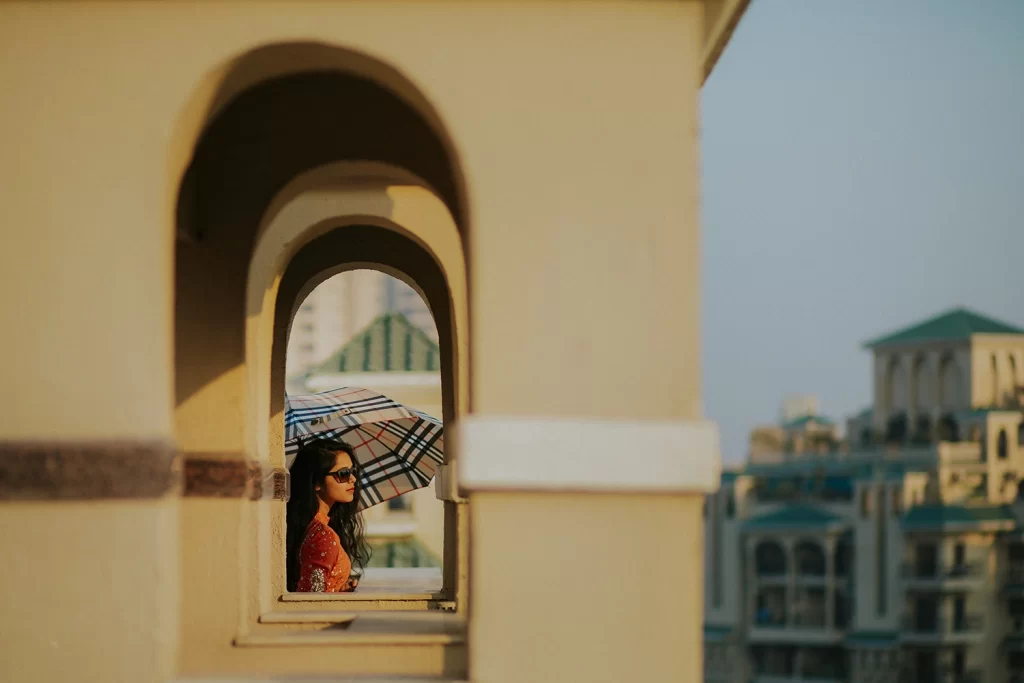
[
  {"x": 938, "y": 517},
  {"x": 794, "y": 517},
  {"x": 802, "y": 421},
  {"x": 389, "y": 344},
  {"x": 959, "y": 323}
]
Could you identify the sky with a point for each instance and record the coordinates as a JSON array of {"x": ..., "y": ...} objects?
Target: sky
[{"x": 863, "y": 169}]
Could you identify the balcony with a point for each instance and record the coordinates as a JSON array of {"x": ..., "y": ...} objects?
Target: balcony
[
  {"x": 963, "y": 576},
  {"x": 965, "y": 630}
]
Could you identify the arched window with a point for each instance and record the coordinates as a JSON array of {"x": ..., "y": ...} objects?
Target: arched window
[
  {"x": 1002, "y": 445},
  {"x": 949, "y": 383},
  {"x": 896, "y": 429},
  {"x": 949, "y": 430},
  {"x": 896, "y": 389},
  {"x": 769, "y": 559},
  {"x": 810, "y": 559},
  {"x": 923, "y": 391}
]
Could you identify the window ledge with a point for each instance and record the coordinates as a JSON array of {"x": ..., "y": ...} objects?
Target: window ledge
[
  {"x": 362, "y": 629},
  {"x": 361, "y": 596}
]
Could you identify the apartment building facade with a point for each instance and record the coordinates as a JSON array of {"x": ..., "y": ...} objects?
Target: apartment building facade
[{"x": 898, "y": 556}]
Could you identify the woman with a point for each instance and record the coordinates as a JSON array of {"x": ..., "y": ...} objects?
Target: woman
[{"x": 325, "y": 531}]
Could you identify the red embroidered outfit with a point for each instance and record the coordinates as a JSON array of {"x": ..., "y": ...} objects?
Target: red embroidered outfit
[{"x": 324, "y": 567}]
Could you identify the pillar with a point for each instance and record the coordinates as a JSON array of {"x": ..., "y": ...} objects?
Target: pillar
[
  {"x": 830, "y": 583},
  {"x": 88, "y": 533},
  {"x": 791, "y": 571},
  {"x": 586, "y": 456}
]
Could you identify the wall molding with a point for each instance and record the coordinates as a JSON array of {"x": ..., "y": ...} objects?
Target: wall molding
[
  {"x": 587, "y": 455},
  {"x": 87, "y": 470},
  {"x": 126, "y": 470}
]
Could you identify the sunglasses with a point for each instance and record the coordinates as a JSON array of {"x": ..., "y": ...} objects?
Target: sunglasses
[{"x": 343, "y": 475}]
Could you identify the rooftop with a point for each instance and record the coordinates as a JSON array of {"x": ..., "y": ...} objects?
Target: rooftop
[
  {"x": 805, "y": 419},
  {"x": 796, "y": 518},
  {"x": 959, "y": 323},
  {"x": 389, "y": 344}
]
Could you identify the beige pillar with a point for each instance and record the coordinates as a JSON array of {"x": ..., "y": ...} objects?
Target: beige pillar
[
  {"x": 586, "y": 458},
  {"x": 789, "y": 546},
  {"x": 89, "y": 583}
]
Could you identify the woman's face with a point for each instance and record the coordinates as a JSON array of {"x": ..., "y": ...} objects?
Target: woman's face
[{"x": 344, "y": 491}]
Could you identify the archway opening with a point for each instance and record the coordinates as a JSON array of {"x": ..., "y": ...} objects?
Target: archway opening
[{"x": 285, "y": 124}]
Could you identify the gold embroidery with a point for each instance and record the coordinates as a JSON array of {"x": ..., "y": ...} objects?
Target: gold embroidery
[{"x": 317, "y": 580}]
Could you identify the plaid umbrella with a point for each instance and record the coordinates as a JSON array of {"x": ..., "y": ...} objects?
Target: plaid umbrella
[{"x": 397, "y": 449}]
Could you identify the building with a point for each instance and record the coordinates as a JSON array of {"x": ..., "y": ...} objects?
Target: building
[
  {"x": 899, "y": 560},
  {"x": 801, "y": 430},
  {"x": 176, "y": 177},
  {"x": 343, "y": 305}
]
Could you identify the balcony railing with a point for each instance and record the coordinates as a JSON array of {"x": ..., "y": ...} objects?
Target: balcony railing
[
  {"x": 972, "y": 624},
  {"x": 812, "y": 619}
]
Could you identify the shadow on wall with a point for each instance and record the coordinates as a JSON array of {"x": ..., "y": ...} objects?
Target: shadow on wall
[{"x": 281, "y": 111}]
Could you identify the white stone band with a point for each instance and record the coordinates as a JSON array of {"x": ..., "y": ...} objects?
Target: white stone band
[{"x": 590, "y": 455}]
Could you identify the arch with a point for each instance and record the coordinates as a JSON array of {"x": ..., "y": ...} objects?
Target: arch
[
  {"x": 770, "y": 559},
  {"x": 948, "y": 428},
  {"x": 250, "y": 69},
  {"x": 921, "y": 384},
  {"x": 950, "y": 385},
  {"x": 327, "y": 199},
  {"x": 1011, "y": 371},
  {"x": 810, "y": 558},
  {"x": 1002, "y": 445},
  {"x": 895, "y": 385}
]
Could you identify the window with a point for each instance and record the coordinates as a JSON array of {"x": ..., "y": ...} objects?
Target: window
[
  {"x": 730, "y": 504},
  {"x": 1002, "y": 445}
]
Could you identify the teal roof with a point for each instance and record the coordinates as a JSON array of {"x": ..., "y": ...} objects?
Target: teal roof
[
  {"x": 794, "y": 517},
  {"x": 802, "y": 421},
  {"x": 939, "y": 517},
  {"x": 389, "y": 344},
  {"x": 716, "y": 633},
  {"x": 872, "y": 639},
  {"x": 959, "y": 323}
]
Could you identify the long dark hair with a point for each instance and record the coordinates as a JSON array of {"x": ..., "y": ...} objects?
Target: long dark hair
[{"x": 312, "y": 463}]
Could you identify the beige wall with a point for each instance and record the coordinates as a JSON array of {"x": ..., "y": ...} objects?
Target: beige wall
[{"x": 569, "y": 217}]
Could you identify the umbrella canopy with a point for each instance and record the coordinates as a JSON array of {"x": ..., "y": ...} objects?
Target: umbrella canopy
[{"x": 397, "y": 449}]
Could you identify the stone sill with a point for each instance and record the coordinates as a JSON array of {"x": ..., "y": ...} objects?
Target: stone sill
[
  {"x": 365, "y": 628},
  {"x": 318, "y": 679}
]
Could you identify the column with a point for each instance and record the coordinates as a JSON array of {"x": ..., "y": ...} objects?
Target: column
[
  {"x": 88, "y": 536},
  {"x": 830, "y": 583},
  {"x": 586, "y": 447},
  {"x": 791, "y": 569},
  {"x": 752, "y": 583}
]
